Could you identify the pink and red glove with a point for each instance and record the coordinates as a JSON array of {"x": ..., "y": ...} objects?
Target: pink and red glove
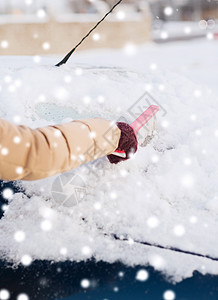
[{"x": 128, "y": 143}]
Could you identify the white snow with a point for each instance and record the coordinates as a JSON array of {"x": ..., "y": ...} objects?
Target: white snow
[{"x": 167, "y": 194}]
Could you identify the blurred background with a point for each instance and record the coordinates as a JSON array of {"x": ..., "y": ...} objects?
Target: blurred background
[{"x": 37, "y": 27}]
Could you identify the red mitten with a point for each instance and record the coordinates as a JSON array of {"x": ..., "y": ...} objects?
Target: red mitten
[{"x": 128, "y": 143}]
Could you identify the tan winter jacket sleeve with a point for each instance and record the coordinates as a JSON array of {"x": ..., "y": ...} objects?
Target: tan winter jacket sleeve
[{"x": 31, "y": 154}]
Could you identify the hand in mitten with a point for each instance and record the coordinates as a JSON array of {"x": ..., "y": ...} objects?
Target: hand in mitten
[{"x": 128, "y": 143}]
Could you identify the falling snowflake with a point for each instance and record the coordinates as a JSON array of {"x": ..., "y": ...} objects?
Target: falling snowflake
[
  {"x": 193, "y": 219},
  {"x": 120, "y": 15},
  {"x": 187, "y": 181},
  {"x": 19, "y": 170},
  {"x": 4, "y": 151},
  {"x": 101, "y": 99},
  {"x": 142, "y": 275},
  {"x": 63, "y": 251},
  {"x": 4, "y": 294},
  {"x": 22, "y": 297},
  {"x": 86, "y": 251},
  {"x": 130, "y": 49},
  {"x": 46, "y": 225},
  {"x": 19, "y": 236},
  {"x": 85, "y": 283},
  {"x": 46, "y": 46},
  {"x": 16, "y": 139},
  {"x": 36, "y": 59},
  {"x": 97, "y": 205},
  {"x": 7, "y": 193},
  {"x": 168, "y": 11},
  {"x": 41, "y": 13},
  {"x": 4, "y": 44},
  {"x": 179, "y": 230},
  {"x": 157, "y": 261},
  {"x": 210, "y": 36},
  {"x": 169, "y": 295},
  {"x": 153, "y": 222},
  {"x": 26, "y": 260},
  {"x": 153, "y": 67},
  {"x": 164, "y": 35},
  {"x": 121, "y": 274},
  {"x": 78, "y": 71},
  {"x": 187, "y": 30},
  {"x": 96, "y": 37},
  {"x": 155, "y": 158}
]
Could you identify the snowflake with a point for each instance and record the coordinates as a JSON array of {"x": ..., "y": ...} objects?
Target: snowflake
[
  {"x": 97, "y": 205},
  {"x": 78, "y": 71},
  {"x": 86, "y": 251},
  {"x": 67, "y": 79},
  {"x": 22, "y": 297},
  {"x": 153, "y": 67},
  {"x": 41, "y": 13},
  {"x": 85, "y": 283},
  {"x": 17, "y": 119},
  {"x": 210, "y": 36},
  {"x": 18, "y": 83},
  {"x": 46, "y": 225},
  {"x": 113, "y": 195},
  {"x": 19, "y": 236},
  {"x": 16, "y": 139},
  {"x": 29, "y": 2},
  {"x": 4, "y": 44},
  {"x": 165, "y": 124},
  {"x": 187, "y": 30},
  {"x": 120, "y": 15},
  {"x": 36, "y": 59},
  {"x": 7, "y": 193},
  {"x": 101, "y": 99},
  {"x": 96, "y": 37},
  {"x": 155, "y": 158},
  {"x": 4, "y": 294},
  {"x": 187, "y": 161},
  {"x": 121, "y": 274},
  {"x": 7, "y": 79},
  {"x": 187, "y": 181},
  {"x": 169, "y": 295},
  {"x": 193, "y": 219},
  {"x": 179, "y": 230},
  {"x": 4, "y": 151},
  {"x": 86, "y": 100},
  {"x": 157, "y": 261},
  {"x": 193, "y": 117},
  {"x": 153, "y": 222},
  {"x": 197, "y": 93},
  {"x": 130, "y": 49},
  {"x": 63, "y": 251},
  {"x": 46, "y": 46},
  {"x": 168, "y": 11},
  {"x": 142, "y": 275},
  {"x": 26, "y": 260},
  {"x": 164, "y": 35},
  {"x": 19, "y": 170}
]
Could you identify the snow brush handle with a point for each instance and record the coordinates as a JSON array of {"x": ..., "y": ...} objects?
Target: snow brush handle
[{"x": 143, "y": 119}]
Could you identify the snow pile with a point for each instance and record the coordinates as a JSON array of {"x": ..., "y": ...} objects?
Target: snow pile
[{"x": 165, "y": 195}]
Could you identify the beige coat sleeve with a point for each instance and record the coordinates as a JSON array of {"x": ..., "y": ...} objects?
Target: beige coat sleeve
[{"x": 31, "y": 154}]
